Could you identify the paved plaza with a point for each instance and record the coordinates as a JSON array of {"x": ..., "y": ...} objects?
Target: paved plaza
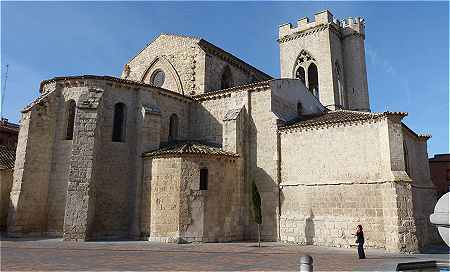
[{"x": 53, "y": 254}]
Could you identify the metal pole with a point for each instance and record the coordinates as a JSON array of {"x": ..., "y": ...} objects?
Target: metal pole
[
  {"x": 306, "y": 263},
  {"x": 3, "y": 92}
]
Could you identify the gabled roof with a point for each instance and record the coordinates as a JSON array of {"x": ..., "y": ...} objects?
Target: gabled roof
[
  {"x": 337, "y": 116},
  {"x": 191, "y": 148},
  {"x": 214, "y": 50},
  {"x": 7, "y": 157}
]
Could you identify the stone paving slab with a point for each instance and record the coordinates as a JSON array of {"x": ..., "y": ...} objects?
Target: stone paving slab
[{"x": 53, "y": 254}]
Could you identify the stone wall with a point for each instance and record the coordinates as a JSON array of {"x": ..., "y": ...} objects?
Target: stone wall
[
  {"x": 59, "y": 174},
  {"x": 28, "y": 211},
  {"x": 181, "y": 59},
  {"x": 317, "y": 43},
  {"x": 260, "y": 152},
  {"x": 191, "y": 65},
  {"x": 328, "y": 188},
  {"x": 214, "y": 70},
  {"x": 6, "y": 179},
  {"x": 423, "y": 190},
  {"x": 165, "y": 199},
  {"x": 327, "y": 214},
  {"x": 287, "y": 93},
  {"x": 329, "y": 41},
  {"x": 180, "y": 210}
]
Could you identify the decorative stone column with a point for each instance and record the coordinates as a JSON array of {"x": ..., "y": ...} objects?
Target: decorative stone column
[{"x": 80, "y": 203}]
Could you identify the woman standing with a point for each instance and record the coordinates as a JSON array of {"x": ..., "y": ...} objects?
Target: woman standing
[{"x": 360, "y": 241}]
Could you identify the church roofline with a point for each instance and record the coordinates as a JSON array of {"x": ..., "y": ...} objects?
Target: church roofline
[
  {"x": 418, "y": 136},
  {"x": 179, "y": 148},
  {"x": 109, "y": 78},
  {"x": 338, "y": 117},
  {"x": 211, "y": 94},
  {"x": 212, "y": 49}
]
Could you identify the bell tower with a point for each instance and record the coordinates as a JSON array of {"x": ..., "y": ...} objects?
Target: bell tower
[{"x": 328, "y": 56}]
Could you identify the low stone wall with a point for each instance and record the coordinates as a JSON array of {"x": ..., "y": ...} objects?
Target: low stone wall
[{"x": 327, "y": 215}]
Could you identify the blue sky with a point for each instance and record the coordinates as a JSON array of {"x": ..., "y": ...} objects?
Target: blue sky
[{"x": 407, "y": 46}]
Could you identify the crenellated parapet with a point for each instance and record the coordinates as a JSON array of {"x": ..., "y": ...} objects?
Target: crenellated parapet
[{"x": 322, "y": 20}]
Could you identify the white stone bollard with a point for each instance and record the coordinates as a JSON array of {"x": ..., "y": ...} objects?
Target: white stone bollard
[
  {"x": 306, "y": 263},
  {"x": 440, "y": 217}
]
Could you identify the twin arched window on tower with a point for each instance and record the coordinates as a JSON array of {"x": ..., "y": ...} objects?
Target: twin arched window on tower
[
  {"x": 226, "y": 80},
  {"x": 306, "y": 71}
]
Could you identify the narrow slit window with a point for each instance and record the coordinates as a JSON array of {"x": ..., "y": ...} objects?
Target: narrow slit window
[
  {"x": 119, "y": 123},
  {"x": 227, "y": 78},
  {"x": 204, "y": 179},
  {"x": 406, "y": 158},
  {"x": 299, "y": 109},
  {"x": 313, "y": 79},
  {"x": 173, "y": 127},
  {"x": 70, "y": 113}
]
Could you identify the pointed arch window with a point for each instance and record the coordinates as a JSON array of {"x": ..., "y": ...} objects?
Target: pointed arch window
[
  {"x": 173, "y": 127},
  {"x": 227, "y": 78},
  {"x": 340, "y": 87},
  {"x": 313, "y": 79},
  {"x": 300, "y": 74},
  {"x": 70, "y": 118},
  {"x": 119, "y": 123}
]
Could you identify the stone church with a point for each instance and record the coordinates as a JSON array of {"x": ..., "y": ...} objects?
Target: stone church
[{"x": 168, "y": 151}]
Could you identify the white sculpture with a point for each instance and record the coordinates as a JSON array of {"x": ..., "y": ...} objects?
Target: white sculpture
[{"x": 441, "y": 219}]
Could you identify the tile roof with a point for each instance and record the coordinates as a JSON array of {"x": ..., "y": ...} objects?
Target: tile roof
[
  {"x": 249, "y": 86},
  {"x": 4, "y": 124},
  {"x": 337, "y": 116},
  {"x": 7, "y": 157},
  {"x": 189, "y": 147},
  {"x": 108, "y": 78}
]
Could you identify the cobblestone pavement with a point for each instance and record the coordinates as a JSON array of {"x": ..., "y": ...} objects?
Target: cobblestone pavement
[{"x": 44, "y": 255}]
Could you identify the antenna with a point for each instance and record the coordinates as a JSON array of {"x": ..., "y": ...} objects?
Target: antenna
[{"x": 2, "y": 100}]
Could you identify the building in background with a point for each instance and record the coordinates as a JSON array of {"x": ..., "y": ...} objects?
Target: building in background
[
  {"x": 8, "y": 133},
  {"x": 440, "y": 173}
]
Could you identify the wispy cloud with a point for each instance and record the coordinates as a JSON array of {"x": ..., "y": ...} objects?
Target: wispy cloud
[{"x": 387, "y": 67}]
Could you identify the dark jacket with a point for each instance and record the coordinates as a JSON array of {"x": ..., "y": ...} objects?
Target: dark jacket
[{"x": 360, "y": 237}]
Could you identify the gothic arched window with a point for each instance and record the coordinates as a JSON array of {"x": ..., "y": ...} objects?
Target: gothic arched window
[
  {"x": 340, "y": 87},
  {"x": 313, "y": 79},
  {"x": 226, "y": 79},
  {"x": 119, "y": 123},
  {"x": 70, "y": 115},
  {"x": 300, "y": 74},
  {"x": 173, "y": 127}
]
